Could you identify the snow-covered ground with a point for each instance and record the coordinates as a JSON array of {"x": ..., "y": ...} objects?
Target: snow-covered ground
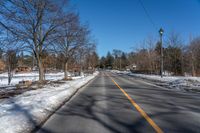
[
  {"x": 173, "y": 82},
  {"x": 21, "y": 113},
  {"x": 33, "y": 76}
]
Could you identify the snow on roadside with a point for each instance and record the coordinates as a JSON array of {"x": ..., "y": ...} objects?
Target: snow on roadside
[
  {"x": 33, "y": 76},
  {"x": 119, "y": 72},
  {"x": 21, "y": 113},
  {"x": 177, "y": 82}
]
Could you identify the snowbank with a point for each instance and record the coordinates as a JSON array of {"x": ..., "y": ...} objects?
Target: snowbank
[
  {"x": 177, "y": 82},
  {"x": 21, "y": 113},
  {"x": 33, "y": 76}
]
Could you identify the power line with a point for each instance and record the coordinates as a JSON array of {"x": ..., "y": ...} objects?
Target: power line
[{"x": 148, "y": 15}]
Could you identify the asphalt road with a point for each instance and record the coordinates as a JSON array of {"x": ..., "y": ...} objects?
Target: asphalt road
[{"x": 101, "y": 107}]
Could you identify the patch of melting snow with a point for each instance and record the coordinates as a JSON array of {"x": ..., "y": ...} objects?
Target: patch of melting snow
[{"x": 23, "y": 112}]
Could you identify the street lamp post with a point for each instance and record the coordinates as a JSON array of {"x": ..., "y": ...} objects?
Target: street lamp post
[{"x": 161, "y": 31}]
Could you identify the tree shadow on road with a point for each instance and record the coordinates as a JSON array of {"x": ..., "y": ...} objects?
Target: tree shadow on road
[
  {"x": 110, "y": 117},
  {"x": 120, "y": 116}
]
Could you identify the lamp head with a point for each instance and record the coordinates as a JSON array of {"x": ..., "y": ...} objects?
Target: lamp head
[{"x": 161, "y": 31}]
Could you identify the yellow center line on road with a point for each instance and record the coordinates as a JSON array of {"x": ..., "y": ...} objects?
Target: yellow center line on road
[{"x": 139, "y": 109}]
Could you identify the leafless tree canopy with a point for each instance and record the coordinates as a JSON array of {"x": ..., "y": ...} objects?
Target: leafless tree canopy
[{"x": 41, "y": 25}]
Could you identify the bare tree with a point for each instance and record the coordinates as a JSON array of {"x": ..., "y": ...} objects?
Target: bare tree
[
  {"x": 152, "y": 55},
  {"x": 194, "y": 52},
  {"x": 11, "y": 62},
  {"x": 91, "y": 57},
  {"x": 117, "y": 58},
  {"x": 72, "y": 37},
  {"x": 10, "y": 49},
  {"x": 173, "y": 54},
  {"x": 33, "y": 23}
]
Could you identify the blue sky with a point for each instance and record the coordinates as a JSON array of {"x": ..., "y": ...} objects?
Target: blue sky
[{"x": 123, "y": 24}]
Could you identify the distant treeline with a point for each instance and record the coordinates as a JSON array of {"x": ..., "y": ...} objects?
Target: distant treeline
[{"x": 179, "y": 58}]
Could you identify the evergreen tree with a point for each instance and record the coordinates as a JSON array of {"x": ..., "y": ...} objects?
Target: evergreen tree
[{"x": 109, "y": 60}]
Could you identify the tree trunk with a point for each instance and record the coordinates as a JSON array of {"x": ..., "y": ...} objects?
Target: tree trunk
[
  {"x": 41, "y": 71},
  {"x": 9, "y": 74},
  {"x": 66, "y": 70}
]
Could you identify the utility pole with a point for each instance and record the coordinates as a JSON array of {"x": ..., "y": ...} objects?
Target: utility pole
[{"x": 161, "y": 31}]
